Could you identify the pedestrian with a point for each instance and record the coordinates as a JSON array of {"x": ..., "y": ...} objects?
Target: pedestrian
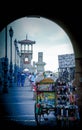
[
  {"x": 22, "y": 79},
  {"x": 18, "y": 79}
]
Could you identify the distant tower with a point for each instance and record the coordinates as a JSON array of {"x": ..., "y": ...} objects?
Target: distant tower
[
  {"x": 26, "y": 53},
  {"x": 40, "y": 64}
]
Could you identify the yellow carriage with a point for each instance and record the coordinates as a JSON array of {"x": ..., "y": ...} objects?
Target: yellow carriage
[{"x": 45, "y": 99}]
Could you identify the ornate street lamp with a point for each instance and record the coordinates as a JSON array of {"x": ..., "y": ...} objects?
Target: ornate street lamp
[
  {"x": 5, "y": 66},
  {"x": 11, "y": 65},
  {"x": 15, "y": 66}
]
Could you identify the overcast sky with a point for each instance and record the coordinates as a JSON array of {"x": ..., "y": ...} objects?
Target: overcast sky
[{"x": 50, "y": 39}]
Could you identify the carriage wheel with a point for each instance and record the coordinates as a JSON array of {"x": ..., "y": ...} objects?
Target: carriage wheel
[{"x": 37, "y": 115}]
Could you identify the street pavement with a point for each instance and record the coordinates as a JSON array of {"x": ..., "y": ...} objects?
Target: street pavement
[{"x": 17, "y": 106}]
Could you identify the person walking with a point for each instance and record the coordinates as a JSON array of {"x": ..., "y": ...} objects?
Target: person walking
[
  {"x": 18, "y": 79},
  {"x": 22, "y": 79}
]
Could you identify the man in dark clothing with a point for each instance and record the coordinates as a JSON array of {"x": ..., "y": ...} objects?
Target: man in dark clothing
[
  {"x": 18, "y": 79},
  {"x": 22, "y": 79}
]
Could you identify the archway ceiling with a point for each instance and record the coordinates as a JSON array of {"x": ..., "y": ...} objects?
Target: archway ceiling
[{"x": 69, "y": 17}]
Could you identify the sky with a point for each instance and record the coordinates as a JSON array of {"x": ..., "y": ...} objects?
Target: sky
[{"x": 49, "y": 38}]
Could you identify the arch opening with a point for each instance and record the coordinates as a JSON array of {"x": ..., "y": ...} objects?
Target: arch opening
[{"x": 40, "y": 54}]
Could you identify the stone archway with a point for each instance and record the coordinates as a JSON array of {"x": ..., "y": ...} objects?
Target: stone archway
[{"x": 72, "y": 29}]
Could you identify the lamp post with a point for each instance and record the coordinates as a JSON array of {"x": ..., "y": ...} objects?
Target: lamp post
[
  {"x": 15, "y": 68},
  {"x": 5, "y": 84},
  {"x": 11, "y": 65}
]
